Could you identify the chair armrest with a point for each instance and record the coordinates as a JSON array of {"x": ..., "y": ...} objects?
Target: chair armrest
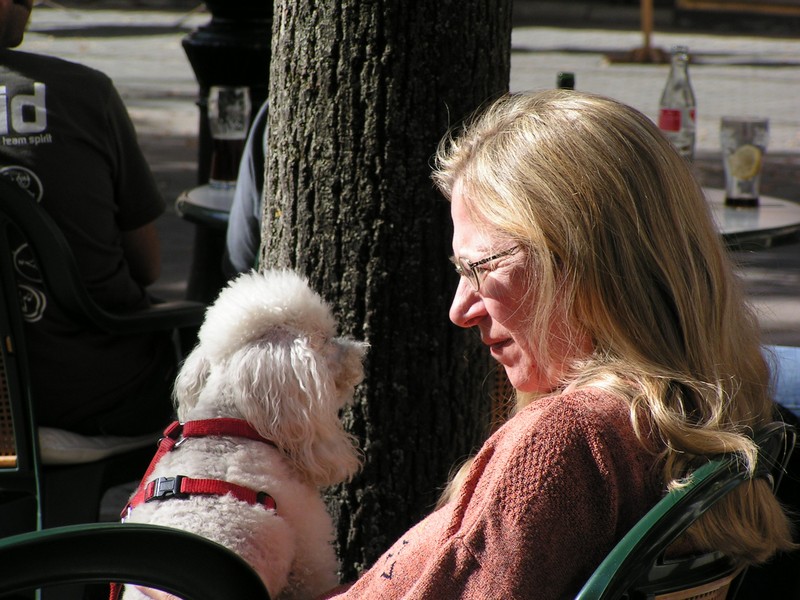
[{"x": 178, "y": 314}]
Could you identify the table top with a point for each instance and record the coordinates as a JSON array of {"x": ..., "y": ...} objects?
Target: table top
[
  {"x": 206, "y": 205},
  {"x": 772, "y": 222}
]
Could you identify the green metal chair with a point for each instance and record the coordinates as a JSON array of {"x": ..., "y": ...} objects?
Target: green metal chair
[
  {"x": 637, "y": 567},
  {"x": 34, "y": 494},
  {"x": 181, "y": 563}
]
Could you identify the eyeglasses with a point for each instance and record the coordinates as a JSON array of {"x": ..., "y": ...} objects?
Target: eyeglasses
[{"x": 471, "y": 271}]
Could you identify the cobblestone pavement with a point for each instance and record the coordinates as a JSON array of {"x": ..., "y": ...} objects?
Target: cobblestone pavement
[{"x": 734, "y": 71}]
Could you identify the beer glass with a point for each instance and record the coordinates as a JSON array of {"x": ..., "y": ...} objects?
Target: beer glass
[
  {"x": 228, "y": 119},
  {"x": 744, "y": 142}
]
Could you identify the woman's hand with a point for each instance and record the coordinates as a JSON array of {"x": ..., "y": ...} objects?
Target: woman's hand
[{"x": 155, "y": 594}]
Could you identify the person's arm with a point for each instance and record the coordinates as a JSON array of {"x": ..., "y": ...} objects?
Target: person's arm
[
  {"x": 543, "y": 502},
  {"x": 136, "y": 195},
  {"x": 243, "y": 237},
  {"x": 142, "y": 249}
]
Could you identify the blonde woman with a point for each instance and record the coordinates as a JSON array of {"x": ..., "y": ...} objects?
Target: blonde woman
[
  {"x": 592, "y": 270},
  {"x": 590, "y": 266}
]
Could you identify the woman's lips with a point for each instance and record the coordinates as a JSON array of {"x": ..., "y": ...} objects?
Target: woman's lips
[{"x": 497, "y": 346}]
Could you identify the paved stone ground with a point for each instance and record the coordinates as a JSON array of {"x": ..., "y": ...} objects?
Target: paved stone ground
[{"x": 741, "y": 66}]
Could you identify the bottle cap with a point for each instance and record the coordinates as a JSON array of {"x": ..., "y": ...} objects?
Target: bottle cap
[{"x": 566, "y": 80}]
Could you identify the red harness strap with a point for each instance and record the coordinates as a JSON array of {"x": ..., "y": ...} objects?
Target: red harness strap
[
  {"x": 183, "y": 487},
  {"x": 180, "y": 486}
]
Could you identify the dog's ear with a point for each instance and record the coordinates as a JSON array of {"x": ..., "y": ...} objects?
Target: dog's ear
[
  {"x": 286, "y": 388},
  {"x": 346, "y": 364},
  {"x": 190, "y": 381}
]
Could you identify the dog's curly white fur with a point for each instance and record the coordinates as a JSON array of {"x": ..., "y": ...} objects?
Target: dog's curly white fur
[{"x": 267, "y": 353}]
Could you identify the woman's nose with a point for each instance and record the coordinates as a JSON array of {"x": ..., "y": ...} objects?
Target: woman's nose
[{"x": 467, "y": 308}]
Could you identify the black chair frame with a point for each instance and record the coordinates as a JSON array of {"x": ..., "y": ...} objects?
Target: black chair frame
[{"x": 181, "y": 563}]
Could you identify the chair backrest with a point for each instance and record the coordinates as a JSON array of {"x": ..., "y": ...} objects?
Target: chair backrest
[
  {"x": 8, "y": 447},
  {"x": 27, "y": 233},
  {"x": 179, "y": 562},
  {"x": 19, "y": 463},
  {"x": 637, "y": 566},
  {"x": 62, "y": 278}
]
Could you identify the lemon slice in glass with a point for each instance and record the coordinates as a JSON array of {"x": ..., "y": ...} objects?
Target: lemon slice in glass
[{"x": 745, "y": 162}]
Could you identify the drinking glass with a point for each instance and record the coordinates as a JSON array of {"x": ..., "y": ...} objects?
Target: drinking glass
[
  {"x": 744, "y": 142},
  {"x": 228, "y": 119}
]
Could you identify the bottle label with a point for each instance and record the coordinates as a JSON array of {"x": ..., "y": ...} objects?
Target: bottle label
[{"x": 669, "y": 119}]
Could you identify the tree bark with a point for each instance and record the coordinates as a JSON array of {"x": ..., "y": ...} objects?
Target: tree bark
[{"x": 361, "y": 91}]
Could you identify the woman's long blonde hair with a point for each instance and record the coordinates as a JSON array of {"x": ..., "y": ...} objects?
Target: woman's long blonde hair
[{"x": 617, "y": 230}]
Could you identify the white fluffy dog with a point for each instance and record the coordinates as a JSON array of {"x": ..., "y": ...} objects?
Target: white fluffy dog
[{"x": 266, "y": 354}]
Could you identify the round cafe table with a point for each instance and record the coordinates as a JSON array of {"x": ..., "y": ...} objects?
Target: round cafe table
[
  {"x": 208, "y": 208},
  {"x": 772, "y": 222},
  {"x": 206, "y": 205}
]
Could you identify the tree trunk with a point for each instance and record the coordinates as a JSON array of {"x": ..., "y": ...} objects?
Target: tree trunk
[{"x": 361, "y": 91}]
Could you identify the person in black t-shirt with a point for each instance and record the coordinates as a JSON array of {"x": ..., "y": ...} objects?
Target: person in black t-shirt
[{"x": 66, "y": 139}]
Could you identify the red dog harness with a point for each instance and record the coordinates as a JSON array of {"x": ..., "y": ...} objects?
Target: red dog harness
[{"x": 179, "y": 486}]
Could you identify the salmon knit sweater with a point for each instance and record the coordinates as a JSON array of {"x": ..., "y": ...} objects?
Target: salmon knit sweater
[{"x": 546, "y": 498}]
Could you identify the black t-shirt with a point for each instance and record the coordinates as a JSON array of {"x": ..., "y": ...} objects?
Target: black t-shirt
[{"x": 66, "y": 138}]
